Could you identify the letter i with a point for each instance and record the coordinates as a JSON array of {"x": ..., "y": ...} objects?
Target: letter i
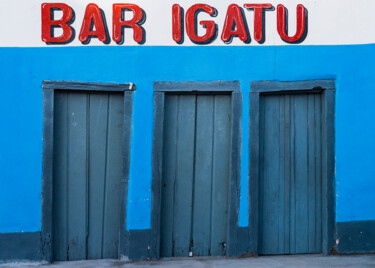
[{"x": 177, "y": 23}]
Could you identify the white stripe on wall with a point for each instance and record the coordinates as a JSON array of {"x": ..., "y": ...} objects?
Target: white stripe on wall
[{"x": 330, "y": 22}]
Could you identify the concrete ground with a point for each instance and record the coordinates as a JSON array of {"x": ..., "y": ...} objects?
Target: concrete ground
[{"x": 299, "y": 261}]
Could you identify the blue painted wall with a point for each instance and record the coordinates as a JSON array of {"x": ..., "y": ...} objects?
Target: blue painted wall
[{"x": 22, "y": 71}]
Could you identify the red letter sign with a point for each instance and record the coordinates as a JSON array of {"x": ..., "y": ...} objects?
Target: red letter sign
[
  {"x": 48, "y": 23},
  {"x": 176, "y": 23},
  {"x": 233, "y": 20},
  {"x": 301, "y": 24},
  {"x": 258, "y": 19},
  {"x": 93, "y": 15},
  {"x": 134, "y": 23},
  {"x": 208, "y": 24}
]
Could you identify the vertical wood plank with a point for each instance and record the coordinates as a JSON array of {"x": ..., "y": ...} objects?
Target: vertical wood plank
[
  {"x": 271, "y": 175},
  {"x": 292, "y": 216},
  {"x": 325, "y": 168},
  {"x": 311, "y": 174},
  {"x": 113, "y": 177},
  {"x": 203, "y": 177},
  {"x": 60, "y": 178},
  {"x": 77, "y": 174},
  {"x": 287, "y": 172},
  {"x": 220, "y": 174},
  {"x": 185, "y": 174},
  {"x": 98, "y": 125},
  {"x": 281, "y": 179},
  {"x": 157, "y": 160},
  {"x": 301, "y": 174},
  {"x": 169, "y": 174},
  {"x": 261, "y": 170},
  {"x": 318, "y": 171}
]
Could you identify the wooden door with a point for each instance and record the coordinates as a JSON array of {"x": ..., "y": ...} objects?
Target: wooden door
[
  {"x": 290, "y": 174},
  {"x": 87, "y": 173},
  {"x": 195, "y": 180}
]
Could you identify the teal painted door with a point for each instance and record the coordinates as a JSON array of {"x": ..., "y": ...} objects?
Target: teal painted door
[
  {"x": 290, "y": 174},
  {"x": 86, "y": 175},
  {"x": 195, "y": 180}
]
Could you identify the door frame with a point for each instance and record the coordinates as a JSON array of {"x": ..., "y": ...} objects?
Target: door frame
[
  {"x": 49, "y": 88},
  {"x": 217, "y": 87},
  {"x": 327, "y": 89}
]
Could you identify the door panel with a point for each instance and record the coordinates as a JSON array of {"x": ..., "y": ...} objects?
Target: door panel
[
  {"x": 196, "y": 158},
  {"x": 98, "y": 152},
  {"x": 112, "y": 193},
  {"x": 169, "y": 174},
  {"x": 87, "y": 175},
  {"x": 184, "y": 176},
  {"x": 290, "y": 174},
  {"x": 202, "y": 185},
  {"x": 60, "y": 179},
  {"x": 77, "y": 175},
  {"x": 220, "y": 171}
]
